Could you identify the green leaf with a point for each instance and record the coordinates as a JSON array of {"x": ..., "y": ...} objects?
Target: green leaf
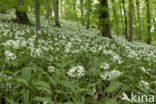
[
  {"x": 26, "y": 72},
  {"x": 22, "y": 80},
  {"x": 41, "y": 83},
  {"x": 10, "y": 101},
  {"x": 26, "y": 97},
  {"x": 111, "y": 101},
  {"x": 68, "y": 103},
  {"x": 47, "y": 90},
  {"x": 43, "y": 99},
  {"x": 114, "y": 86}
]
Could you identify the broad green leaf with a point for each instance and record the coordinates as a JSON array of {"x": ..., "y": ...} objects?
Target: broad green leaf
[
  {"x": 22, "y": 80},
  {"x": 114, "y": 86},
  {"x": 111, "y": 101}
]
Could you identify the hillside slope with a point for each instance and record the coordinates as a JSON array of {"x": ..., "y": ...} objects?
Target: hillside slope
[{"x": 64, "y": 64}]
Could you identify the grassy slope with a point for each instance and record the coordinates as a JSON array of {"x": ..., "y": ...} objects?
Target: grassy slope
[{"x": 67, "y": 47}]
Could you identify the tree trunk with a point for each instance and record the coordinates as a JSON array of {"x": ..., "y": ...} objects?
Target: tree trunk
[
  {"x": 21, "y": 16},
  {"x": 115, "y": 18},
  {"x": 148, "y": 22},
  {"x": 37, "y": 15},
  {"x": 47, "y": 10},
  {"x": 122, "y": 19},
  {"x": 61, "y": 7},
  {"x": 104, "y": 19},
  {"x": 56, "y": 12},
  {"x": 154, "y": 24},
  {"x": 88, "y": 22},
  {"x": 138, "y": 11},
  {"x": 130, "y": 20},
  {"x": 138, "y": 16},
  {"x": 125, "y": 17},
  {"x": 82, "y": 11}
]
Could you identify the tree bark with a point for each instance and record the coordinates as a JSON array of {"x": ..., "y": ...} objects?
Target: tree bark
[
  {"x": 154, "y": 24},
  {"x": 61, "y": 7},
  {"x": 21, "y": 16},
  {"x": 104, "y": 19},
  {"x": 56, "y": 12},
  {"x": 138, "y": 10},
  {"x": 115, "y": 18},
  {"x": 82, "y": 11},
  {"x": 130, "y": 20},
  {"x": 148, "y": 22},
  {"x": 122, "y": 19},
  {"x": 125, "y": 18},
  {"x": 88, "y": 22},
  {"x": 37, "y": 15},
  {"x": 47, "y": 10}
]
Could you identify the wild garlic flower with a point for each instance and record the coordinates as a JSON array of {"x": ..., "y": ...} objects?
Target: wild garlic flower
[
  {"x": 145, "y": 70},
  {"x": 104, "y": 66},
  {"x": 10, "y": 56},
  {"x": 76, "y": 72},
  {"x": 144, "y": 84},
  {"x": 45, "y": 102},
  {"x": 114, "y": 74},
  {"x": 51, "y": 69},
  {"x": 36, "y": 52}
]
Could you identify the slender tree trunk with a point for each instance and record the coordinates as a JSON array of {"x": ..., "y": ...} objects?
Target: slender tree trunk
[
  {"x": 37, "y": 15},
  {"x": 115, "y": 17},
  {"x": 21, "y": 16},
  {"x": 47, "y": 10},
  {"x": 88, "y": 7},
  {"x": 154, "y": 24},
  {"x": 125, "y": 18},
  {"x": 76, "y": 15},
  {"x": 122, "y": 19},
  {"x": 138, "y": 10},
  {"x": 88, "y": 22},
  {"x": 56, "y": 12},
  {"x": 148, "y": 22},
  {"x": 130, "y": 20},
  {"x": 61, "y": 7},
  {"x": 104, "y": 19},
  {"x": 82, "y": 11},
  {"x": 138, "y": 16}
]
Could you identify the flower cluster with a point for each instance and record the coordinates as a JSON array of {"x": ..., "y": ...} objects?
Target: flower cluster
[
  {"x": 10, "y": 56},
  {"x": 76, "y": 72},
  {"x": 104, "y": 66},
  {"x": 51, "y": 69},
  {"x": 145, "y": 70},
  {"x": 111, "y": 75},
  {"x": 144, "y": 84}
]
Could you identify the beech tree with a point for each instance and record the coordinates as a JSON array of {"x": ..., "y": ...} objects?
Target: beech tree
[
  {"x": 148, "y": 21},
  {"x": 37, "y": 14},
  {"x": 21, "y": 15},
  {"x": 130, "y": 20},
  {"x": 104, "y": 20},
  {"x": 56, "y": 12}
]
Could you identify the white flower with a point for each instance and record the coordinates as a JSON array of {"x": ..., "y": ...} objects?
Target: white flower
[
  {"x": 145, "y": 70},
  {"x": 10, "y": 56},
  {"x": 111, "y": 75},
  {"x": 67, "y": 50},
  {"x": 51, "y": 69},
  {"x": 45, "y": 102},
  {"x": 36, "y": 52},
  {"x": 144, "y": 84},
  {"x": 77, "y": 71},
  {"x": 116, "y": 57},
  {"x": 104, "y": 66}
]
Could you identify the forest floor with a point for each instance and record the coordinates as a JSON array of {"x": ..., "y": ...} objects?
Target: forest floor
[{"x": 71, "y": 66}]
